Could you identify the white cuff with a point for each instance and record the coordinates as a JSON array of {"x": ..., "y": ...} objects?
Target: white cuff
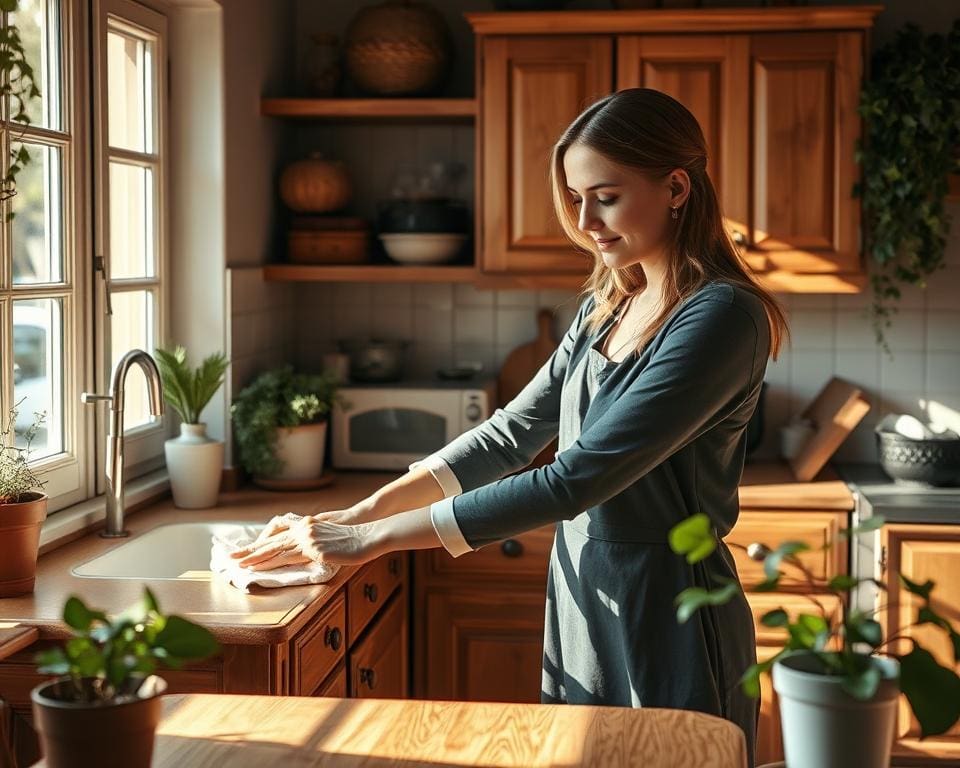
[
  {"x": 441, "y": 473},
  {"x": 447, "y": 528}
]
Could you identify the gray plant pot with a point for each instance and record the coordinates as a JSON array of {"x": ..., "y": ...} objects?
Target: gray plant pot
[{"x": 823, "y": 726}]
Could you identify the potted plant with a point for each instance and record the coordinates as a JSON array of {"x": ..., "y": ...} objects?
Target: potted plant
[
  {"x": 280, "y": 424},
  {"x": 911, "y": 110},
  {"x": 23, "y": 507},
  {"x": 837, "y": 677},
  {"x": 105, "y": 706},
  {"x": 194, "y": 461}
]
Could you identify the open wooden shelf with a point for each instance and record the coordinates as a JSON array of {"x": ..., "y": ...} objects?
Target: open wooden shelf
[
  {"x": 432, "y": 110},
  {"x": 373, "y": 273}
]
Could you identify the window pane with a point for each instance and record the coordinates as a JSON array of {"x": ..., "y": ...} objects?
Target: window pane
[
  {"x": 132, "y": 327},
  {"x": 38, "y": 371},
  {"x": 40, "y": 34},
  {"x": 37, "y": 228},
  {"x": 130, "y": 94},
  {"x": 131, "y": 221}
]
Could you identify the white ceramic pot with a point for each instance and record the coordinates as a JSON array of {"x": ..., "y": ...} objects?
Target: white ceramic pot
[
  {"x": 823, "y": 726},
  {"x": 195, "y": 464},
  {"x": 300, "y": 451}
]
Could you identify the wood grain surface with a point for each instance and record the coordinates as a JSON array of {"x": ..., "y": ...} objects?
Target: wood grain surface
[
  {"x": 15, "y": 637},
  {"x": 204, "y": 731}
]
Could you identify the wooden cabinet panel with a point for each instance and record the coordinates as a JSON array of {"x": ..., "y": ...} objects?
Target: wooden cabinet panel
[
  {"x": 707, "y": 74},
  {"x": 484, "y": 645},
  {"x": 532, "y": 88},
  {"x": 805, "y": 124},
  {"x": 526, "y": 555},
  {"x": 793, "y": 604},
  {"x": 378, "y": 665},
  {"x": 922, "y": 552},
  {"x": 336, "y": 684},
  {"x": 316, "y": 650},
  {"x": 773, "y": 528},
  {"x": 370, "y": 589}
]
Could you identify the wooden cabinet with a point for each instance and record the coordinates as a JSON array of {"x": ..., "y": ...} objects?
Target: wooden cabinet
[
  {"x": 775, "y": 95},
  {"x": 378, "y": 664},
  {"x": 922, "y": 552},
  {"x": 478, "y": 621}
]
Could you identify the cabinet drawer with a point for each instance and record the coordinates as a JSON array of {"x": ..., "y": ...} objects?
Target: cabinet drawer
[
  {"x": 319, "y": 647},
  {"x": 370, "y": 589},
  {"x": 527, "y": 554},
  {"x": 336, "y": 684},
  {"x": 774, "y": 528},
  {"x": 793, "y": 604},
  {"x": 378, "y": 664}
]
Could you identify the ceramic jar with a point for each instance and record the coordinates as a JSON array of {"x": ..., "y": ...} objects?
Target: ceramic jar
[
  {"x": 195, "y": 464},
  {"x": 315, "y": 185}
]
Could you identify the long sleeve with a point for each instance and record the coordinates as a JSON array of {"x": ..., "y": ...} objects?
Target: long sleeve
[
  {"x": 709, "y": 362},
  {"x": 511, "y": 438}
]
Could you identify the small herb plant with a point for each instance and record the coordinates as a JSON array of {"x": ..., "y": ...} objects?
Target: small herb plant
[
  {"x": 842, "y": 641},
  {"x": 911, "y": 108},
  {"x": 186, "y": 389},
  {"x": 278, "y": 398},
  {"x": 17, "y": 480},
  {"x": 118, "y": 653}
]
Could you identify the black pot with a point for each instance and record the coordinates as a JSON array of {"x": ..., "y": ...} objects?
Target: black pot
[
  {"x": 111, "y": 734},
  {"x": 374, "y": 360},
  {"x": 438, "y": 216},
  {"x": 928, "y": 462}
]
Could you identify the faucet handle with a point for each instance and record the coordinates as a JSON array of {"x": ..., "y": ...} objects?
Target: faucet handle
[{"x": 91, "y": 399}]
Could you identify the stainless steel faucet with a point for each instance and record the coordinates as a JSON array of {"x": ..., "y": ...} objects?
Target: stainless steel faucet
[{"x": 114, "y": 471}]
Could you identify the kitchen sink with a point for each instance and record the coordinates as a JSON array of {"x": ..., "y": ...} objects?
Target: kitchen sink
[{"x": 173, "y": 551}]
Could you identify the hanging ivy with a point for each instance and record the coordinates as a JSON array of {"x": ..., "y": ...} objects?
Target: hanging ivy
[{"x": 911, "y": 106}]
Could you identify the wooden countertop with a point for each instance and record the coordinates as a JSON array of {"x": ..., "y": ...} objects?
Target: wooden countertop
[
  {"x": 275, "y": 615},
  {"x": 205, "y": 730},
  {"x": 266, "y": 616}
]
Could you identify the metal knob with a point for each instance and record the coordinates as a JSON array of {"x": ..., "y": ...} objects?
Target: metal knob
[
  {"x": 368, "y": 677},
  {"x": 370, "y": 592},
  {"x": 739, "y": 238},
  {"x": 333, "y": 638},
  {"x": 511, "y": 548},
  {"x": 757, "y": 551}
]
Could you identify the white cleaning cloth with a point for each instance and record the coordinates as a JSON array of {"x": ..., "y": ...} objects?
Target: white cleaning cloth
[{"x": 289, "y": 575}]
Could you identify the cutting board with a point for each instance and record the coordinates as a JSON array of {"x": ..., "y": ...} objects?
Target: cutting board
[
  {"x": 835, "y": 412},
  {"x": 523, "y": 362}
]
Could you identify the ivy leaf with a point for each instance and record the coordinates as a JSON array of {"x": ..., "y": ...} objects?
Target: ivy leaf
[
  {"x": 863, "y": 683},
  {"x": 775, "y": 618},
  {"x": 870, "y": 524},
  {"x": 842, "y": 583},
  {"x": 933, "y": 691},
  {"x": 690, "y": 600},
  {"x": 861, "y": 629},
  {"x": 183, "y": 638},
  {"x": 693, "y": 537},
  {"x": 771, "y": 564}
]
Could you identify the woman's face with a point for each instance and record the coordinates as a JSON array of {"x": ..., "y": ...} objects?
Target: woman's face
[{"x": 626, "y": 214}]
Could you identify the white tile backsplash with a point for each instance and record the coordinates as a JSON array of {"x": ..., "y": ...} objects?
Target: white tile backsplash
[{"x": 903, "y": 372}]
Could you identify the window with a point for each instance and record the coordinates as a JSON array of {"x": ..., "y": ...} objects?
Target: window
[{"x": 56, "y": 336}]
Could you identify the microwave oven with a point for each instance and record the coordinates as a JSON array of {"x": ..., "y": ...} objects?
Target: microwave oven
[{"x": 390, "y": 426}]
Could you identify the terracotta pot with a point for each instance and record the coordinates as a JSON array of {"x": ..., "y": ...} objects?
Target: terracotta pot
[
  {"x": 105, "y": 734},
  {"x": 19, "y": 541},
  {"x": 315, "y": 185}
]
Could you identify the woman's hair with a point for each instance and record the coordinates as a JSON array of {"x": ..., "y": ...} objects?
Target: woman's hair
[{"x": 651, "y": 132}]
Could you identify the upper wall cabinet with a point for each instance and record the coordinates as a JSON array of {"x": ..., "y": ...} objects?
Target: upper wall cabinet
[{"x": 778, "y": 107}]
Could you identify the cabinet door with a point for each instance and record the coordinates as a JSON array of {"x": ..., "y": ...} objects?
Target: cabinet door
[
  {"x": 922, "y": 552},
  {"x": 484, "y": 645},
  {"x": 378, "y": 663},
  {"x": 533, "y": 87},
  {"x": 708, "y": 74},
  {"x": 805, "y": 124}
]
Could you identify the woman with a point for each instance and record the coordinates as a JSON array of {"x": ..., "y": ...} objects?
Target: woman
[{"x": 650, "y": 391}]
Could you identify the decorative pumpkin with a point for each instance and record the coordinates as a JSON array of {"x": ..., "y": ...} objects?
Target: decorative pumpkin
[
  {"x": 315, "y": 185},
  {"x": 398, "y": 47}
]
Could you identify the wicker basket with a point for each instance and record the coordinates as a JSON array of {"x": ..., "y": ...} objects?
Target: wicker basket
[
  {"x": 328, "y": 240},
  {"x": 399, "y": 47}
]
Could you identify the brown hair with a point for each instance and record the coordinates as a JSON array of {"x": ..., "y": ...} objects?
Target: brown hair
[{"x": 649, "y": 131}]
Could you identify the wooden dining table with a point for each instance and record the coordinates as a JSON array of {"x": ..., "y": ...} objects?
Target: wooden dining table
[{"x": 213, "y": 730}]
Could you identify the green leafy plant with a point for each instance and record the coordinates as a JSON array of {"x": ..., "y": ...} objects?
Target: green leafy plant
[
  {"x": 118, "y": 652},
  {"x": 842, "y": 641},
  {"x": 17, "y": 480},
  {"x": 18, "y": 83},
  {"x": 188, "y": 390},
  {"x": 278, "y": 398},
  {"x": 911, "y": 107}
]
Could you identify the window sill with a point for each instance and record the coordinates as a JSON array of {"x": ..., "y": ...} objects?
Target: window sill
[{"x": 73, "y": 522}]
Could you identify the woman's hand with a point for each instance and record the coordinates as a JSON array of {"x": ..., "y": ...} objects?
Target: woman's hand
[{"x": 296, "y": 540}]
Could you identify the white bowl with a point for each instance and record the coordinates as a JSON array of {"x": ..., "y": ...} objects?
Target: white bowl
[{"x": 422, "y": 247}]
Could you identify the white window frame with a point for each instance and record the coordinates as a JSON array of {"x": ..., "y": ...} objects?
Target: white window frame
[{"x": 143, "y": 444}]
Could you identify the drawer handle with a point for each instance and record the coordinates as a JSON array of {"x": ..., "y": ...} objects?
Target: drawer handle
[
  {"x": 757, "y": 551},
  {"x": 370, "y": 592},
  {"x": 511, "y": 548},
  {"x": 333, "y": 637},
  {"x": 393, "y": 566},
  {"x": 368, "y": 677}
]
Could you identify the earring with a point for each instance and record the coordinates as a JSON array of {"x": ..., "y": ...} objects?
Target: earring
[{"x": 674, "y": 215}]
